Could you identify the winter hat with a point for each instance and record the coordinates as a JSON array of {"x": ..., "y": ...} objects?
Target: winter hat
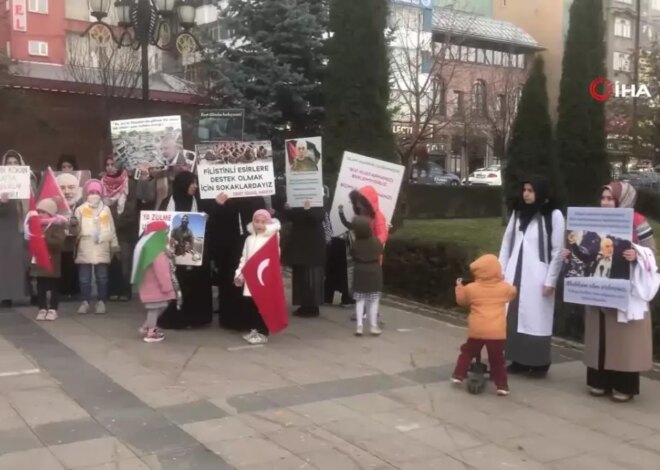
[
  {"x": 155, "y": 226},
  {"x": 47, "y": 205},
  {"x": 93, "y": 185},
  {"x": 264, "y": 213}
]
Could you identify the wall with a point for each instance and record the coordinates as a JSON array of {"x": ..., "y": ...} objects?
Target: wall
[
  {"x": 478, "y": 7},
  {"x": 50, "y": 124},
  {"x": 544, "y": 21},
  {"x": 42, "y": 27}
]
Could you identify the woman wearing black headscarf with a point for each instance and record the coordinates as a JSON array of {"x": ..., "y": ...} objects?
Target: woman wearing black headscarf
[
  {"x": 195, "y": 281},
  {"x": 227, "y": 230},
  {"x": 531, "y": 256}
]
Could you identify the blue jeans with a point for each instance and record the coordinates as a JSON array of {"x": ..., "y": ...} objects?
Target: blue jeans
[{"x": 85, "y": 275}]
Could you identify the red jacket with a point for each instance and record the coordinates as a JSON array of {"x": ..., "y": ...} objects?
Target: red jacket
[{"x": 378, "y": 224}]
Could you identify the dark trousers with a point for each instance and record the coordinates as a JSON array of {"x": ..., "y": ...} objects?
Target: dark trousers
[
  {"x": 336, "y": 275},
  {"x": 471, "y": 350},
  {"x": 253, "y": 318},
  {"x": 45, "y": 284}
]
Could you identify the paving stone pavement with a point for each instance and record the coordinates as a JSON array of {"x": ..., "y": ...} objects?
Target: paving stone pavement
[{"x": 85, "y": 392}]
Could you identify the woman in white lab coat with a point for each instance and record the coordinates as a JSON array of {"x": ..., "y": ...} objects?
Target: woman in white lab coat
[{"x": 531, "y": 256}]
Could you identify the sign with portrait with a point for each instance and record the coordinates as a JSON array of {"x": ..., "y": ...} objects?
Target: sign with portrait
[
  {"x": 152, "y": 142},
  {"x": 71, "y": 184},
  {"x": 304, "y": 172},
  {"x": 597, "y": 273},
  {"x": 238, "y": 169},
  {"x": 186, "y": 234}
]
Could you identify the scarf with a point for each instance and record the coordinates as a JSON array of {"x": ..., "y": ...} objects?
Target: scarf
[
  {"x": 171, "y": 205},
  {"x": 115, "y": 189}
]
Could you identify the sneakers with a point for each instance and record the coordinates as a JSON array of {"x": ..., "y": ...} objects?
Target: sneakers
[
  {"x": 154, "y": 336},
  {"x": 143, "y": 330},
  {"x": 376, "y": 331},
  {"x": 100, "y": 308},
  {"x": 51, "y": 315},
  {"x": 621, "y": 397},
  {"x": 254, "y": 337},
  {"x": 597, "y": 392},
  {"x": 359, "y": 331},
  {"x": 502, "y": 392},
  {"x": 456, "y": 380},
  {"x": 84, "y": 308},
  {"x": 41, "y": 316}
]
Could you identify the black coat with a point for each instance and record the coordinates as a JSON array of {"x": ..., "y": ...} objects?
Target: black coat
[{"x": 305, "y": 243}]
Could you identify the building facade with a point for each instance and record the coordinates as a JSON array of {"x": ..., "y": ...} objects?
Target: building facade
[{"x": 457, "y": 78}]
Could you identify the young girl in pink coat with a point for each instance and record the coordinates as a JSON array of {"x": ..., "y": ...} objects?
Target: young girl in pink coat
[{"x": 154, "y": 273}]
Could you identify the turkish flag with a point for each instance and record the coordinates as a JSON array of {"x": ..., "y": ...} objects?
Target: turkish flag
[
  {"x": 50, "y": 189},
  {"x": 36, "y": 240},
  {"x": 263, "y": 276}
]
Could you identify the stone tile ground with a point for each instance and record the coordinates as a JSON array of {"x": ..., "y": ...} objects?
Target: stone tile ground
[{"x": 86, "y": 393}]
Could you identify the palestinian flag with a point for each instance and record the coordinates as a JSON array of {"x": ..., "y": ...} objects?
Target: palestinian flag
[{"x": 152, "y": 244}]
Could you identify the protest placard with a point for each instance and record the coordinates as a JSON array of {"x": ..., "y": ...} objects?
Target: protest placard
[
  {"x": 597, "y": 273},
  {"x": 238, "y": 169},
  {"x": 186, "y": 234},
  {"x": 217, "y": 125},
  {"x": 358, "y": 171},
  {"x": 152, "y": 141},
  {"x": 304, "y": 172},
  {"x": 15, "y": 181}
]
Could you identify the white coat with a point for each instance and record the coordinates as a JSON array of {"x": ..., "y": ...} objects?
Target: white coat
[
  {"x": 535, "y": 312},
  {"x": 91, "y": 251},
  {"x": 254, "y": 243}
]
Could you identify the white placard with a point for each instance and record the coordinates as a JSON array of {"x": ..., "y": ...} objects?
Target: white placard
[
  {"x": 238, "y": 169},
  {"x": 597, "y": 273},
  {"x": 304, "y": 171},
  {"x": 186, "y": 234},
  {"x": 15, "y": 181},
  {"x": 358, "y": 171},
  {"x": 150, "y": 142}
]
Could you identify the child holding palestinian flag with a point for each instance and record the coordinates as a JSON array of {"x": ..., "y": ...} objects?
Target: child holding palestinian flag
[{"x": 154, "y": 274}]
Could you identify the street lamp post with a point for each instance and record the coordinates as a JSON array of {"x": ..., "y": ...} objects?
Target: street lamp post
[{"x": 145, "y": 23}]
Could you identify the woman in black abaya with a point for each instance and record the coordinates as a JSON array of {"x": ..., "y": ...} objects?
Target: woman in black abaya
[
  {"x": 227, "y": 229},
  {"x": 195, "y": 281}
]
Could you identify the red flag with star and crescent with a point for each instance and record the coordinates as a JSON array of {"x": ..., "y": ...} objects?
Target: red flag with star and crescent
[
  {"x": 36, "y": 240},
  {"x": 263, "y": 276}
]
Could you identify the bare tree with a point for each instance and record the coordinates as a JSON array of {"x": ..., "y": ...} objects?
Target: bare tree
[
  {"x": 421, "y": 70},
  {"x": 115, "y": 70}
]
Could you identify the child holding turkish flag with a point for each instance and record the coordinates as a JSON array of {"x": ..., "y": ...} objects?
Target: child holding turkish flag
[{"x": 262, "y": 229}]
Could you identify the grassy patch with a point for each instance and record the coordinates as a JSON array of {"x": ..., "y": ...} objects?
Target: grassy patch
[{"x": 482, "y": 235}]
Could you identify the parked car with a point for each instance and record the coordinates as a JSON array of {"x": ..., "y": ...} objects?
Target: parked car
[
  {"x": 437, "y": 175},
  {"x": 491, "y": 176}
]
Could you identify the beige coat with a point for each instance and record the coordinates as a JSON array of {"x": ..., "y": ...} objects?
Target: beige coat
[
  {"x": 91, "y": 251},
  {"x": 629, "y": 346}
]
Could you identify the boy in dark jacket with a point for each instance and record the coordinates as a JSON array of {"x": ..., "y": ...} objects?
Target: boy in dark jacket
[{"x": 366, "y": 251}]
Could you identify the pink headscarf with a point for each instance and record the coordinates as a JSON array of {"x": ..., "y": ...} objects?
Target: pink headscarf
[
  {"x": 264, "y": 213},
  {"x": 92, "y": 185}
]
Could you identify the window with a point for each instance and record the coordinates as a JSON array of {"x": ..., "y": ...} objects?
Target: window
[
  {"x": 38, "y": 6},
  {"x": 629, "y": 2},
  {"x": 440, "y": 96},
  {"x": 39, "y": 48},
  {"x": 479, "y": 98},
  {"x": 497, "y": 58},
  {"x": 459, "y": 102},
  {"x": 469, "y": 54},
  {"x": 486, "y": 56},
  {"x": 521, "y": 61},
  {"x": 621, "y": 62},
  {"x": 655, "y": 4},
  {"x": 622, "y": 27},
  {"x": 500, "y": 105}
]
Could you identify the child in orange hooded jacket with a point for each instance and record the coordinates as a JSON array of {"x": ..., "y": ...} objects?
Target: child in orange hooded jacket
[{"x": 487, "y": 298}]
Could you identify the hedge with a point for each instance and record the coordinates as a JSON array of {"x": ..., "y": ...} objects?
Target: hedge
[
  {"x": 452, "y": 202},
  {"x": 648, "y": 203},
  {"x": 427, "y": 271}
]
